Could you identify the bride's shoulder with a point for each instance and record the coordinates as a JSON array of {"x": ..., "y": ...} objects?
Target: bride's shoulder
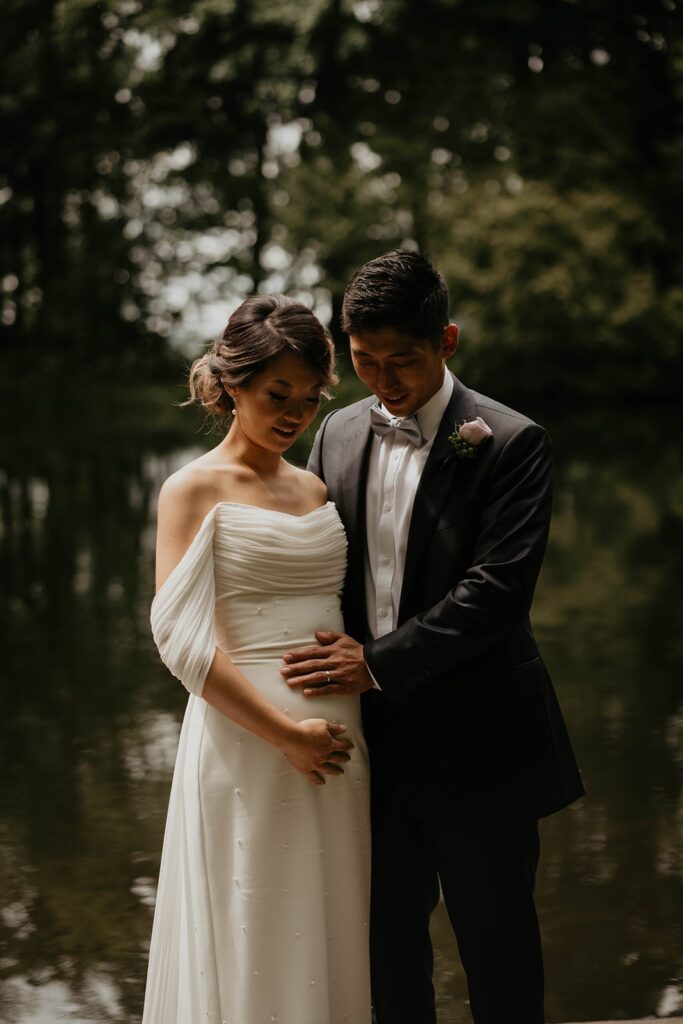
[
  {"x": 311, "y": 485},
  {"x": 188, "y": 495},
  {"x": 185, "y": 500}
]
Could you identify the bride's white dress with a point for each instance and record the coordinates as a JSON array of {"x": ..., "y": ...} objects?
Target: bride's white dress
[{"x": 263, "y": 896}]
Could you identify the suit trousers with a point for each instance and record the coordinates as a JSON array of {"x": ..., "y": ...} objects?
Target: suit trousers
[{"x": 485, "y": 866}]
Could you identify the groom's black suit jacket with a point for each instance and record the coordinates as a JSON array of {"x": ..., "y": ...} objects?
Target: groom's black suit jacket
[{"x": 466, "y": 702}]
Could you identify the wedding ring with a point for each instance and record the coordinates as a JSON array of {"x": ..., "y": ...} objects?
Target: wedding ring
[{"x": 327, "y": 673}]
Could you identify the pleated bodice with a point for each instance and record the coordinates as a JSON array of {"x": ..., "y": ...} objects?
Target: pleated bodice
[
  {"x": 255, "y": 582},
  {"x": 278, "y": 578}
]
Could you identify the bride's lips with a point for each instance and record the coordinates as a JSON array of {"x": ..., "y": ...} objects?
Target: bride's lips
[{"x": 283, "y": 432}]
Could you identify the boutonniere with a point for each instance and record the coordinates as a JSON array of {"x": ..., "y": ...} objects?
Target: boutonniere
[{"x": 468, "y": 436}]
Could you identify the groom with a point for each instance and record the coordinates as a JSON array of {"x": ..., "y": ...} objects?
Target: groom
[{"x": 446, "y": 498}]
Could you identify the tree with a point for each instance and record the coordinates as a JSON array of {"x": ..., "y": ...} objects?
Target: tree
[{"x": 174, "y": 161}]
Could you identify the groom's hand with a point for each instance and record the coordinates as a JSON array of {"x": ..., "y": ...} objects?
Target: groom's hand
[{"x": 336, "y": 666}]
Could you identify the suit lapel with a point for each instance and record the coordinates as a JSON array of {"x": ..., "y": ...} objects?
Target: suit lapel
[
  {"x": 356, "y": 445},
  {"x": 440, "y": 471},
  {"x": 356, "y": 451}
]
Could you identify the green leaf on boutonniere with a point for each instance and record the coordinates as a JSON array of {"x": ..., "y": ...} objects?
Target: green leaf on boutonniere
[
  {"x": 461, "y": 447},
  {"x": 468, "y": 436}
]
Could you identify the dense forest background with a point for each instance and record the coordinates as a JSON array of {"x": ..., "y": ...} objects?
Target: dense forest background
[{"x": 160, "y": 160}]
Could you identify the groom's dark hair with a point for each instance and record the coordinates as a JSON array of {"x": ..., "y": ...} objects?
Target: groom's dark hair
[{"x": 401, "y": 290}]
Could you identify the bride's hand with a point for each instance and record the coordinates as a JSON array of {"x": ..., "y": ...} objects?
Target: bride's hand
[{"x": 318, "y": 748}]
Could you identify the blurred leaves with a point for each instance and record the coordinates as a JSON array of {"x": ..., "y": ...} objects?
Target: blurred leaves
[
  {"x": 589, "y": 318},
  {"x": 160, "y": 161}
]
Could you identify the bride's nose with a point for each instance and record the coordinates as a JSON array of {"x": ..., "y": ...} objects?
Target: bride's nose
[{"x": 294, "y": 415}]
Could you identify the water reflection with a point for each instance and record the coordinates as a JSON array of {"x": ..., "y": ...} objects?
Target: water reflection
[{"x": 90, "y": 718}]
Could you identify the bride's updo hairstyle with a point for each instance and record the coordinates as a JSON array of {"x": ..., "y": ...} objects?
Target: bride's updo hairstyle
[{"x": 263, "y": 327}]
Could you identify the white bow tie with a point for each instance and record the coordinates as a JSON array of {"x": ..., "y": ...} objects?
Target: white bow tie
[{"x": 382, "y": 423}]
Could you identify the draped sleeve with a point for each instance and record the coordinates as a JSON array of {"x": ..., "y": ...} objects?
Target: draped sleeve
[{"x": 183, "y": 612}]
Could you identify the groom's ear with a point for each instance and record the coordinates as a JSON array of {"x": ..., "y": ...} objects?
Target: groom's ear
[{"x": 449, "y": 340}]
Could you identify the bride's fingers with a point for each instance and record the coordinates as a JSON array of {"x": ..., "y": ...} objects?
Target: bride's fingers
[
  {"x": 339, "y": 756},
  {"x": 342, "y": 744},
  {"x": 316, "y": 777}
]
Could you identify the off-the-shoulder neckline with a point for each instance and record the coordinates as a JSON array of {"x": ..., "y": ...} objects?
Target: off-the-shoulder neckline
[
  {"x": 234, "y": 504},
  {"x": 273, "y": 511}
]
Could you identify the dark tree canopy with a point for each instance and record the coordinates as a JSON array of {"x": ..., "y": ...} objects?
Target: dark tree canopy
[{"x": 160, "y": 159}]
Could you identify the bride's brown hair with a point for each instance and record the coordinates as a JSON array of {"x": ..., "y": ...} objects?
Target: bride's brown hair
[{"x": 260, "y": 329}]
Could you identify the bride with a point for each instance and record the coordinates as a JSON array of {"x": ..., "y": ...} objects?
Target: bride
[{"x": 262, "y": 903}]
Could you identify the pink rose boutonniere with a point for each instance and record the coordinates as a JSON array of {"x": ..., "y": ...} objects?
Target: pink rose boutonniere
[{"x": 469, "y": 436}]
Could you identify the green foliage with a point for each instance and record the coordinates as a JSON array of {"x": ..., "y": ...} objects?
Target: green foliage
[
  {"x": 160, "y": 160},
  {"x": 65, "y": 262},
  {"x": 559, "y": 293}
]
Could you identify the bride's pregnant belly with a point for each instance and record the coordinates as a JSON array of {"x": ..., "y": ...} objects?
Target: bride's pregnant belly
[
  {"x": 255, "y": 632},
  {"x": 254, "y": 635}
]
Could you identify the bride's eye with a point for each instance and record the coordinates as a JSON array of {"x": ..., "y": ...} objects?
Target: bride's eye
[
  {"x": 313, "y": 401},
  {"x": 277, "y": 398}
]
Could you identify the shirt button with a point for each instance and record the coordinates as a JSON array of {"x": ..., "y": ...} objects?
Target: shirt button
[
  {"x": 383, "y": 612},
  {"x": 385, "y": 560},
  {"x": 387, "y": 507}
]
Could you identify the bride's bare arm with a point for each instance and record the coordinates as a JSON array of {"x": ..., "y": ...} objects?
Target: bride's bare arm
[{"x": 315, "y": 747}]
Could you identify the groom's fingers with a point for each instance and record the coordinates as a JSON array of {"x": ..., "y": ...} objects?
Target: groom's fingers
[
  {"x": 327, "y": 636},
  {"x": 315, "y": 680},
  {"x": 300, "y": 654},
  {"x": 324, "y": 691},
  {"x": 308, "y": 668}
]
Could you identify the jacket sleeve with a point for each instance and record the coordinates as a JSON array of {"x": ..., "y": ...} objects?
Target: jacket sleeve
[
  {"x": 496, "y": 591},
  {"x": 183, "y": 612}
]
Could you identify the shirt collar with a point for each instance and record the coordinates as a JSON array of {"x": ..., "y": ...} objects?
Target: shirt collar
[{"x": 430, "y": 415}]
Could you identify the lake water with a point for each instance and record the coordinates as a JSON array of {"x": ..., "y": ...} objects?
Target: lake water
[{"x": 90, "y": 717}]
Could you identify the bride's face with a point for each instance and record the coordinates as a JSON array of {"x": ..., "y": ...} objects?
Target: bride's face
[{"x": 277, "y": 404}]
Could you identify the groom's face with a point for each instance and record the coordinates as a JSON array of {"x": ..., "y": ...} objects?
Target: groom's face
[{"x": 404, "y": 372}]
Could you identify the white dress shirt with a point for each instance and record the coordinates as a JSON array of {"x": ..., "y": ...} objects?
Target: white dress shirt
[{"x": 394, "y": 473}]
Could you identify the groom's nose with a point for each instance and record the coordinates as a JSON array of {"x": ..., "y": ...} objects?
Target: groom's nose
[{"x": 386, "y": 378}]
